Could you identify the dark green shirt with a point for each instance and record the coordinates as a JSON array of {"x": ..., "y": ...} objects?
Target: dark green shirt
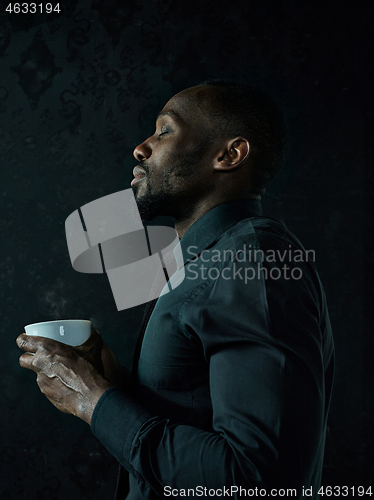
[{"x": 235, "y": 370}]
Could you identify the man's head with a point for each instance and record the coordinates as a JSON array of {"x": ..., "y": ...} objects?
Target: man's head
[{"x": 216, "y": 142}]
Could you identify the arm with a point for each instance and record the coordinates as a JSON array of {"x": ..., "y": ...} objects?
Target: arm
[
  {"x": 266, "y": 395},
  {"x": 267, "y": 398}
]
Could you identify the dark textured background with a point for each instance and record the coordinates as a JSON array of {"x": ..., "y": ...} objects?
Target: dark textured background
[{"x": 78, "y": 91}]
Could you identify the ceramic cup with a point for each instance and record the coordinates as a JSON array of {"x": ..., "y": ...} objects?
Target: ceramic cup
[{"x": 72, "y": 332}]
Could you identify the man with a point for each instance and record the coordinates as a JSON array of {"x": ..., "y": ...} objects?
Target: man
[{"x": 234, "y": 371}]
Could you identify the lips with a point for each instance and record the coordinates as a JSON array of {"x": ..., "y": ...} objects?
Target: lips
[{"x": 139, "y": 174}]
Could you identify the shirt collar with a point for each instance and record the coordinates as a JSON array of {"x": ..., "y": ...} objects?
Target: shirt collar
[{"x": 207, "y": 229}]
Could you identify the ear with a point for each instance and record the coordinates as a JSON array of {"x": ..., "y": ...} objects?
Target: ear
[{"x": 235, "y": 154}]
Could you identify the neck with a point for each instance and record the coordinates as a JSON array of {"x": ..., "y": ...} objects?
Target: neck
[{"x": 183, "y": 222}]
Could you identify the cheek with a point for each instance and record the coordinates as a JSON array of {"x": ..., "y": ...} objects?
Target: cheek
[{"x": 175, "y": 164}]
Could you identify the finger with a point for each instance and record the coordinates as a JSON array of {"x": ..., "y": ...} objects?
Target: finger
[
  {"x": 25, "y": 343},
  {"x": 48, "y": 387},
  {"x": 26, "y": 361},
  {"x": 31, "y": 343}
]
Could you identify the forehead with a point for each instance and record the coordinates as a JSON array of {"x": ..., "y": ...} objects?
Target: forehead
[{"x": 188, "y": 105}]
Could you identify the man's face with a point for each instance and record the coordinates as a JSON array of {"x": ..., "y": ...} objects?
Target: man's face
[{"x": 173, "y": 171}]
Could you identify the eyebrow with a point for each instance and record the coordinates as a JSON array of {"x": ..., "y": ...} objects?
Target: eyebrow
[{"x": 171, "y": 113}]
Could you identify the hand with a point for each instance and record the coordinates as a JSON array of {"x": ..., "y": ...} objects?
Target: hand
[{"x": 72, "y": 378}]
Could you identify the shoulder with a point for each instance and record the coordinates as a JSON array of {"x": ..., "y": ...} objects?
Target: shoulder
[{"x": 255, "y": 260}]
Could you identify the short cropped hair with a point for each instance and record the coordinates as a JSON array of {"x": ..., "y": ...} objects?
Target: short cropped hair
[{"x": 239, "y": 109}]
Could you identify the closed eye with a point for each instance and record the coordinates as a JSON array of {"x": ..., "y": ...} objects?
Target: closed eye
[{"x": 164, "y": 130}]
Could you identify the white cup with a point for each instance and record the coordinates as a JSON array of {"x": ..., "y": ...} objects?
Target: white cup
[{"x": 72, "y": 332}]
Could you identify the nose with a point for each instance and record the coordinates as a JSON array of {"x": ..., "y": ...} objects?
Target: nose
[{"x": 143, "y": 151}]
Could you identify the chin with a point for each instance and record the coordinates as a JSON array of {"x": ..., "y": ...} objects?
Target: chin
[{"x": 152, "y": 206}]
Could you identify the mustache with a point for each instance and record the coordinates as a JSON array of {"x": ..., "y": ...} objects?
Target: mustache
[{"x": 144, "y": 166}]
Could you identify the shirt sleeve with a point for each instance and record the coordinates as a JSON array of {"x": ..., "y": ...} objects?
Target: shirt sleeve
[{"x": 263, "y": 343}]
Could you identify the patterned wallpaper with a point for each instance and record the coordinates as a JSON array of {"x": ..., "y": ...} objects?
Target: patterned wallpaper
[{"x": 80, "y": 89}]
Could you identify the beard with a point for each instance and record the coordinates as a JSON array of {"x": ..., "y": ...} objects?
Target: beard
[
  {"x": 150, "y": 204},
  {"x": 153, "y": 203},
  {"x": 164, "y": 196},
  {"x": 163, "y": 200}
]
